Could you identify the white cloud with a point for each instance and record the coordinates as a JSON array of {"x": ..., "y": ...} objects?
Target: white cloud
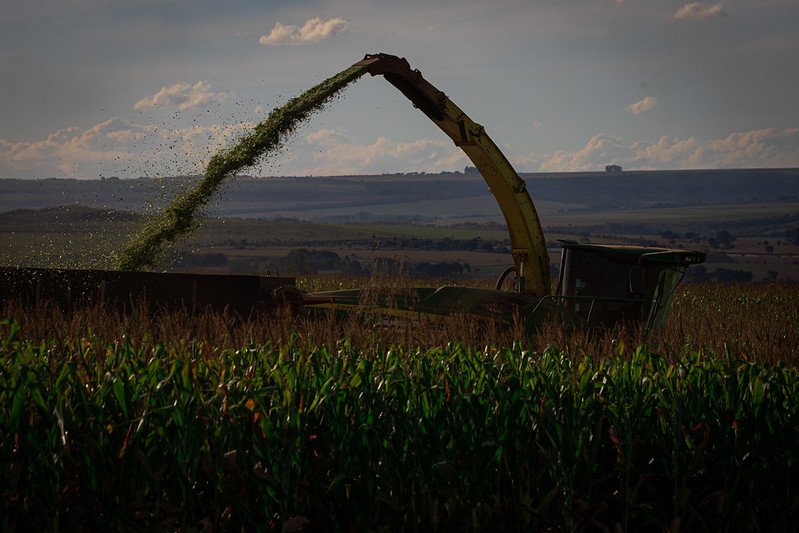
[
  {"x": 117, "y": 148},
  {"x": 68, "y": 151},
  {"x": 643, "y": 106},
  {"x": 760, "y": 148},
  {"x": 313, "y": 31},
  {"x": 334, "y": 153},
  {"x": 766, "y": 148},
  {"x": 698, "y": 11},
  {"x": 605, "y": 148},
  {"x": 326, "y": 138},
  {"x": 182, "y": 95}
]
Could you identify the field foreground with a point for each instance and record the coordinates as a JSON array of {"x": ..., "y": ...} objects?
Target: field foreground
[{"x": 207, "y": 423}]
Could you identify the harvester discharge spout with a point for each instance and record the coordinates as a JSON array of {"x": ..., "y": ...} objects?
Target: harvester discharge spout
[{"x": 528, "y": 246}]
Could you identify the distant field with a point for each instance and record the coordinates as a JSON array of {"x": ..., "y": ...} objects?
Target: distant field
[
  {"x": 679, "y": 217},
  {"x": 435, "y": 231},
  {"x": 452, "y": 195},
  {"x": 80, "y": 237}
]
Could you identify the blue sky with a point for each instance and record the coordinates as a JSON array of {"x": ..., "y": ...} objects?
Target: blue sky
[{"x": 125, "y": 88}]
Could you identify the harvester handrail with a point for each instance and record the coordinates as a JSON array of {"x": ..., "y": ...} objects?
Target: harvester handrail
[{"x": 528, "y": 246}]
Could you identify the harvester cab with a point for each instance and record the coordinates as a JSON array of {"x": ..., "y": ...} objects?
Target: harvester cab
[{"x": 607, "y": 284}]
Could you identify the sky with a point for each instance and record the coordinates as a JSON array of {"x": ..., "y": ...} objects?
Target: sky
[{"x": 129, "y": 88}]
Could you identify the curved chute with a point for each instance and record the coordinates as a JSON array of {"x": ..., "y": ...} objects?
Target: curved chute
[{"x": 528, "y": 246}]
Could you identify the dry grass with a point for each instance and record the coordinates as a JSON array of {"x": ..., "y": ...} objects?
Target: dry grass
[
  {"x": 746, "y": 321},
  {"x": 749, "y": 322}
]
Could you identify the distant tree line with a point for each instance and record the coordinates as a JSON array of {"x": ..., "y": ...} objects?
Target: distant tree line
[
  {"x": 700, "y": 274},
  {"x": 304, "y": 261},
  {"x": 396, "y": 243},
  {"x": 447, "y": 243}
]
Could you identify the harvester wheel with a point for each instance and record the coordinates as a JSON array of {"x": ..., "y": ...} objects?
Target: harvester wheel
[{"x": 505, "y": 274}]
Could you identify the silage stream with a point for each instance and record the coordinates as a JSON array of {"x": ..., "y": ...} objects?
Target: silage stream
[{"x": 182, "y": 216}]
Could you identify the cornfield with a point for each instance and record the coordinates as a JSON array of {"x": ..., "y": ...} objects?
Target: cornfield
[{"x": 171, "y": 421}]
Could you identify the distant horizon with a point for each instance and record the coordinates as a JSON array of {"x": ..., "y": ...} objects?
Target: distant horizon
[
  {"x": 412, "y": 173},
  {"x": 414, "y": 194}
]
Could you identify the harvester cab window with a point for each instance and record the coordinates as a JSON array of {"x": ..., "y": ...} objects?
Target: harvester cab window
[
  {"x": 637, "y": 284},
  {"x": 602, "y": 285}
]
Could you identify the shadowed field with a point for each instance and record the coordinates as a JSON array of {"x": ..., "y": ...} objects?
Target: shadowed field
[{"x": 167, "y": 421}]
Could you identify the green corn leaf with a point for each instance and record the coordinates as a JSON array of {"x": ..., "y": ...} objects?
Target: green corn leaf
[
  {"x": 119, "y": 393},
  {"x": 13, "y": 331}
]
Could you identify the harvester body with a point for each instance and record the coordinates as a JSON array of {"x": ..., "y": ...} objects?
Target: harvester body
[{"x": 598, "y": 285}]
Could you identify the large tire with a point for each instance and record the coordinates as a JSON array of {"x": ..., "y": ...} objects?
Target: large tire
[{"x": 505, "y": 274}]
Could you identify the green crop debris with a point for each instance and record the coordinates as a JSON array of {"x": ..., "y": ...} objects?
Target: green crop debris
[{"x": 180, "y": 218}]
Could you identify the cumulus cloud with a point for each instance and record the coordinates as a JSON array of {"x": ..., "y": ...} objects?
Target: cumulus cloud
[
  {"x": 698, "y": 11},
  {"x": 70, "y": 151},
  {"x": 766, "y": 148},
  {"x": 642, "y": 106},
  {"x": 118, "y": 148},
  {"x": 606, "y": 148},
  {"x": 313, "y": 31},
  {"x": 183, "y": 96},
  {"x": 326, "y": 137},
  {"x": 333, "y": 152}
]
